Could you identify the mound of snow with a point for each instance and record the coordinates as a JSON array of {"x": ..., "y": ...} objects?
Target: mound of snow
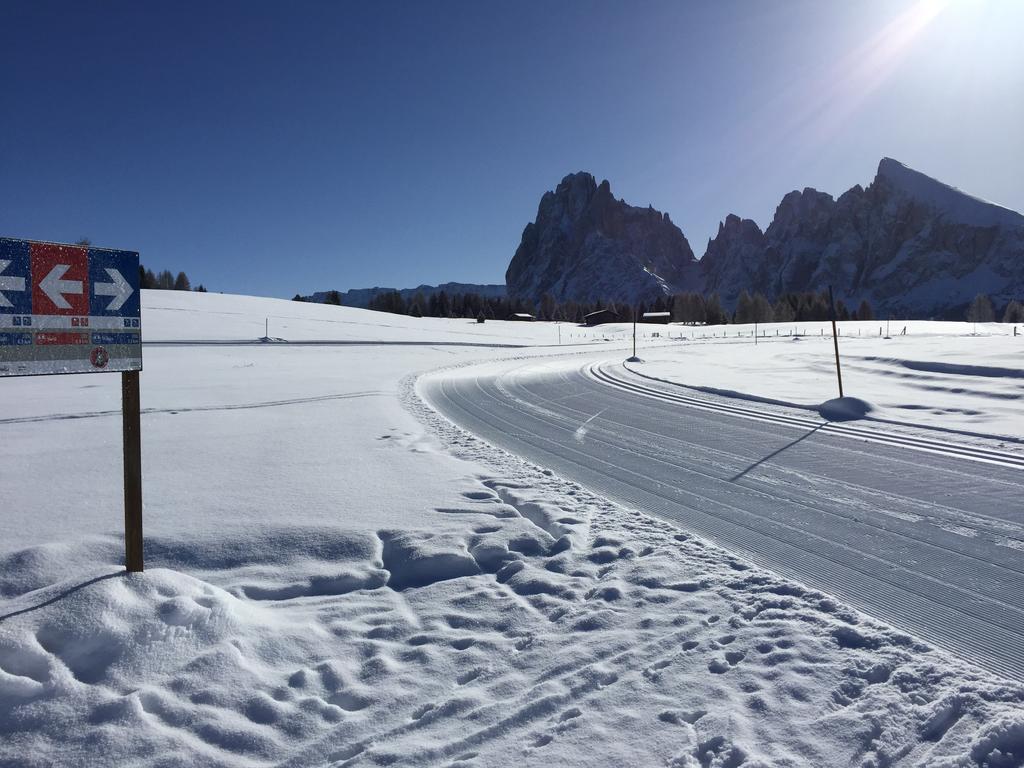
[{"x": 844, "y": 409}]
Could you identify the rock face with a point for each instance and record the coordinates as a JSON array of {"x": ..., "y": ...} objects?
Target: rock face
[
  {"x": 909, "y": 244},
  {"x": 585, "y": 246}
]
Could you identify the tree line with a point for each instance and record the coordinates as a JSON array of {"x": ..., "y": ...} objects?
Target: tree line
[
  {"x": 692, "y": 307},
  {"x": 166, "y": 281},
  {"x": 982, "y": 311}
]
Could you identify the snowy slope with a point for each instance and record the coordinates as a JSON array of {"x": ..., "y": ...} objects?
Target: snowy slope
[
  {"x": 951, "y": 202},
  {"x": 337, "y": 576}
]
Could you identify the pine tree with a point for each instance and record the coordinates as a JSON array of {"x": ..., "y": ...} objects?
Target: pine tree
[
  {"x": 202, "y": 289},
  {"x": 713, "y": 312},
  {"x": 296, "y": 297},
  {"x": 981, "y": 310},
  {"x": 762, "y": 308},
  {"x": 181, "y": 282},
  {"x": 1014, "y": 312},
  {"x": 783, "y": 311},
  {"x": 333, "y": 297},
  {"x": 744, "y": 308},
  {"x": 864, "y": 311}
]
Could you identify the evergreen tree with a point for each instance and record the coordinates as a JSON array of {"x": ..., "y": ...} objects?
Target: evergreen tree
[
  {"x": 333, "y": 297},
  {"x": 762, "y": 309},
  {"x": 842, "y": 313},
  {"x": 1014, "y": 312},
  {"x": 296, "y": 297},
  {"x": 547, "y": 307},
  {"x": 981, "y": 310},
  {"x": 181, "y": 282},
  {"x": 202, "y": 289},
  {"x": 713, "y": 312},
  {"x": 783, "y": 311},
  {"x": 744, "y": 308},
  {"x": 864, "y": 311}
]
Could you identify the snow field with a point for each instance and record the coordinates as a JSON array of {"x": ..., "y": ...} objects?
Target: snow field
[
  {"x": 939, "y": 375},
  {"x": 338, "y": 576}
]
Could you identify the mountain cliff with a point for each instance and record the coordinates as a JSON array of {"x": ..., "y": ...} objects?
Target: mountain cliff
[
  {"x": 585, "y": 246},
  {"x": 908, "y": 243}
]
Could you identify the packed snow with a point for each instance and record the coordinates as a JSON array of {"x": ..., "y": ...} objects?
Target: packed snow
[
  {"x": 960, "y": 377},
  {"x": 338, "y": 576}
]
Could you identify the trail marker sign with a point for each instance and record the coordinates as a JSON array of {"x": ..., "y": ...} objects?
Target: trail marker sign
[
  {"x": 75, "y": 309},
  {"x": 68, "y": 309}
]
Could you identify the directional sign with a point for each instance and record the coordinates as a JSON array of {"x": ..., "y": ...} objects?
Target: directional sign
[{"x": 68, "y": 309}]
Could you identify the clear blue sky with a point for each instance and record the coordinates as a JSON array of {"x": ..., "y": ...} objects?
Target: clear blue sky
[{"x": 274, "y": 148}]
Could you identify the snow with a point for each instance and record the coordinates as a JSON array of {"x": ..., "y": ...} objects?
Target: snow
[
  {"x": 338, "y": 576},
  {"x": 958, "y": 377},
  {"x": 956, "y": 205}
]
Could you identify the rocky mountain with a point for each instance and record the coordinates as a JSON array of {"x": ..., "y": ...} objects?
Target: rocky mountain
[
  {"x": 361, "y": 297},
  {"x": 585, "y": 246},
  {"x": 909, "y": 244}
]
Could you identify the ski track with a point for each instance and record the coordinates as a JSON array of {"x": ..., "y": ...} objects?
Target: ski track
[{"x": 907, "y": 529}]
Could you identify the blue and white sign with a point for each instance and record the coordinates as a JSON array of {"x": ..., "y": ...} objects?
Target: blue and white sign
[{"x": 68, "y": 309}]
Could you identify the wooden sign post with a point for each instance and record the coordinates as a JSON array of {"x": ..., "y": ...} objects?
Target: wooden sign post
[
  {"x": 76, "y": 309},
  {"x": 131, "y": 419}
]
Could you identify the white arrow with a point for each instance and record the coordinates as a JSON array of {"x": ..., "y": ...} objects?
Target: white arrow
[
  {"x": 9, "y": 283},
  {"x": 55, "y": 288},
  {"x": 119, "y": 289}
]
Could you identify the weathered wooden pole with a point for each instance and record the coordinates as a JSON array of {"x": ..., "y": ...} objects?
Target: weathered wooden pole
[
  {"x": 835, "y": 339},
  {"x": 131, "y": 421}
]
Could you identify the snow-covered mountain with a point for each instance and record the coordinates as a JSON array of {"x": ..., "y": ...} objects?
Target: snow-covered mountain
[
  {"x": 907, "y": 243},
  {"x": 585, "y": 245}
]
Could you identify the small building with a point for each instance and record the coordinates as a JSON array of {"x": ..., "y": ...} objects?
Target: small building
[
  {"x": 600, "y": 317},
  {"x": 656, "y": 317},
  {"x": 521, "y": 317}
]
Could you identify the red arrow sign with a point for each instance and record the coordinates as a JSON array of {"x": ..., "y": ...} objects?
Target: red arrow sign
[{"x": 60, "y": 279}]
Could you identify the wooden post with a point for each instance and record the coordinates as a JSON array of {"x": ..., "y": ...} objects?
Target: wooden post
[
  {"x": 835, "y": 340},
  {"x": 131, "y": 421}
]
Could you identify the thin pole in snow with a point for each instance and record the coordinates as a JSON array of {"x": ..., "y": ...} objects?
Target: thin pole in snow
[
  {"x": 634, "y": 331},
  {"x": 835, "y": 339}
]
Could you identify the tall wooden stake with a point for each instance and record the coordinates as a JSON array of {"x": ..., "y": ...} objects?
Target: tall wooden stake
[
  {"x": 835, "y": 339},
  {"x": 131, "y": 421},
  {"x": 634, "y": 331}
]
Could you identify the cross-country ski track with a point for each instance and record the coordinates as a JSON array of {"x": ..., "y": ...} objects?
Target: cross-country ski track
[{"x": 924, "y": 532}]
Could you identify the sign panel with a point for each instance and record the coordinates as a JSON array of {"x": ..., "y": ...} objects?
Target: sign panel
[{"x": 68, "y": 309}]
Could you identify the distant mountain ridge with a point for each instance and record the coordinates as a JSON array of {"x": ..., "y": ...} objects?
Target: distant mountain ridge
[
  {"x": 361, "y": 297},
  {"x": 908, "y": 244}
]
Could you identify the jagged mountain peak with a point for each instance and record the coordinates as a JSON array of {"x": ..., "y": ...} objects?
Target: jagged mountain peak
[
  {"x": 954, "y": 204},
  {"x": 586, "y": 245}
]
